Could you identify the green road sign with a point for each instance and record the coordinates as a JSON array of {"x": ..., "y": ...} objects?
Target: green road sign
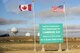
[{"x": 51, "y": 33}]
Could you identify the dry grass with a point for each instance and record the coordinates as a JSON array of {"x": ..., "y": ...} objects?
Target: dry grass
[{"x": 25, "y": 45}]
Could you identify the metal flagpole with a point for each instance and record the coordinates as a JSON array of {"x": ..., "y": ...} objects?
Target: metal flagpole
[
  {"x": 59, "y": 47},
  {"x": 67, "y": 49},
  {"x": 34, "y": 26},
  {"x": 43, "y": 49}
]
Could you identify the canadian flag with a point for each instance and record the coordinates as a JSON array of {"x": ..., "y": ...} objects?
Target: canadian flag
[{"x": 26, "y": 7}]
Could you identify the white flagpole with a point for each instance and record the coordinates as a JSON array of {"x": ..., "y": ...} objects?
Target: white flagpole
[
  {"x": 67, "y": 49},
  {"x": 43, "y": 49},
  {"x": 34, "y": 25},
  {"x": 59, "y": 47}
]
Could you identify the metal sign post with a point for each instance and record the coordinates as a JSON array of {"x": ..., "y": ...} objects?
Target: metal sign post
[
  {"x": 43, "y": 49},
  {"x": 60, "y": 47}
]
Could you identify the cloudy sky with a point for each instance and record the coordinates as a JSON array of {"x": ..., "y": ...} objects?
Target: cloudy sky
[{"x": 11, "y": 16}]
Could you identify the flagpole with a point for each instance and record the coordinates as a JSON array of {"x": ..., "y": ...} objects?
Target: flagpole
[
  {"x": 34, "y": 26},
  {"x": 67, "y": 48},
  {"x": 59, "y": 47}
]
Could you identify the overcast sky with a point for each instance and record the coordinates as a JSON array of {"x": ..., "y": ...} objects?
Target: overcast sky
[{"x": 11, "y": 16}]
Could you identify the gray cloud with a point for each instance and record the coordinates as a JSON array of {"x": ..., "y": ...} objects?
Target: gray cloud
[
  {"x": 7, "y": 22},
  {"x": 3, "y": 32},
  {"x": 13, "y": 5},
  {"x": 75, "y": 10},
  {"x": 23, "y": 31},
  {"x": 72, "y": 31},
  {"x": 49, "y": 13},
  {"x": 69, "y": 11}
]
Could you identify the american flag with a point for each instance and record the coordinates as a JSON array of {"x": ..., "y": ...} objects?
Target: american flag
[{"x": 59, "y": 8}]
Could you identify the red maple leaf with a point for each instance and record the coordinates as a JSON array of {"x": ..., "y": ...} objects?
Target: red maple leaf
[{"x": 24, "y": 7}]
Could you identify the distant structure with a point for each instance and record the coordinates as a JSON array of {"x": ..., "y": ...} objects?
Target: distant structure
[
  {"x": 14, "y": 31},
  {"x": 27, "y": 34},
  {"x": 4, "y": 35},
  {"x": 38, "y": 34}
]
